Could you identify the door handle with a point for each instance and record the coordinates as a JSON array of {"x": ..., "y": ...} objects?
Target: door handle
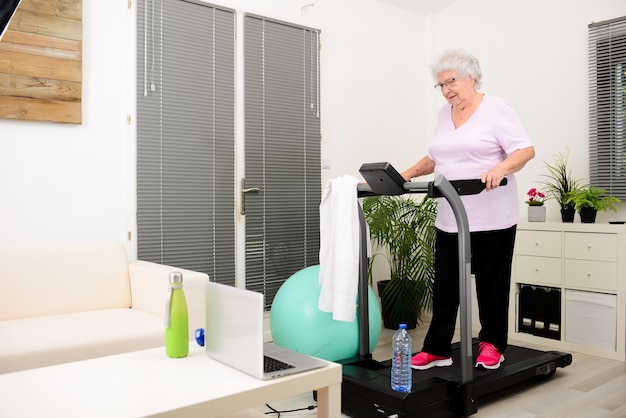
[{"x": 245, "y": 190}]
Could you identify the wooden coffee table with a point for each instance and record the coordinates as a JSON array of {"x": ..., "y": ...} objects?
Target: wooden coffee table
[{"x": 148, "y": 383}]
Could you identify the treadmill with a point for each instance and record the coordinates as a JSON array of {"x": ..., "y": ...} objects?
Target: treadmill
[{"x": 440, "y": 391}]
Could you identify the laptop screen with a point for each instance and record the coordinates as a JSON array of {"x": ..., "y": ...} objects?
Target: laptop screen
[
  {"x": 234, "y": 327},
  {"x": 234, "y": 334},
  {"x": 7, "y": 9}
]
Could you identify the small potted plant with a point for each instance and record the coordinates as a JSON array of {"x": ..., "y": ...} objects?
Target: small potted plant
[
  {"x": 561, "y": 186},
  {"x": 536, "y": 209},
  {"x": 589, "y": 200}
]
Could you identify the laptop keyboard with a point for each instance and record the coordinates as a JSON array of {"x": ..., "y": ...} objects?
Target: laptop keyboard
[{"x": 272, "y": 365}]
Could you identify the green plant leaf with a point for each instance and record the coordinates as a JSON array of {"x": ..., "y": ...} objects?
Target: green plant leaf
[
  {"x": 403, "y": 228},
  {"x": 560, "y": 183},
  {"x": 594, "y": 197}
]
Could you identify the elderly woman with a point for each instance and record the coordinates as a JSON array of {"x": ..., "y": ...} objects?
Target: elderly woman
[{"x": 477, "y": 136}]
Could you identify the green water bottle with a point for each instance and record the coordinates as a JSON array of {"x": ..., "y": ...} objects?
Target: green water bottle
[{"x": 176, "y": 319}]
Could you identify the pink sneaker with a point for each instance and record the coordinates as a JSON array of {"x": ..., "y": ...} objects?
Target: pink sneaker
[
  {"x": 489, "y": 357},
  {"x": 423, "y": 361}
]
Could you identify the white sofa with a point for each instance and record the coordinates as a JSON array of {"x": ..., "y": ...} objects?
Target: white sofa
[{"x": 61, "y": 303}]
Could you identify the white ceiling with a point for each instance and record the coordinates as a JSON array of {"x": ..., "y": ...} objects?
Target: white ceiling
[{"x": 422, "y": 7}]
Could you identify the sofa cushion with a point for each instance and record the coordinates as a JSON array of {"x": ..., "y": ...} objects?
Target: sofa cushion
[
  {"x": 57, "y": 279},
  {"x": 48, "y": 340},
  {"x": 149, "y": 283}
]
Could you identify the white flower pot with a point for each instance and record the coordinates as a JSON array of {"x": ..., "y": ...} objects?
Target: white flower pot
[{"x": 536, "y": 213}]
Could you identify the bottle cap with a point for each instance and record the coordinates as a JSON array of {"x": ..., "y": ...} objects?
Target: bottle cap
[
  {"x": 403, "y": 326},
  {"x": 176, "y": 277}
]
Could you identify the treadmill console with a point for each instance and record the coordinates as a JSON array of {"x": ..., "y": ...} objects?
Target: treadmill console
[{"x": 383, "y": 178}]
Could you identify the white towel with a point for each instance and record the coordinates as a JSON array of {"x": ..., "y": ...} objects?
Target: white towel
[{"x": 339, "y": 248}]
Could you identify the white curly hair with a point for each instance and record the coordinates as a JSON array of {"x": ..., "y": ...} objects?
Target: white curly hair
[{"x": 458, "y": 60}]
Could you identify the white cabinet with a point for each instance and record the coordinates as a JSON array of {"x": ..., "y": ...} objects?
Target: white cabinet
[{"x": 589, "y": 261}]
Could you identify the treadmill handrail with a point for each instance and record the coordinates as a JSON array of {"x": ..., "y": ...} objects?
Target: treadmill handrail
[
  {"x": 462, "y": 187},
  {"x": 364, "y": 189},
  {"x": 439, "y": 187}
]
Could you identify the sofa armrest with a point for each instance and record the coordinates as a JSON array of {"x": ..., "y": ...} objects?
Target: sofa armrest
[{"x": 149, "y": 283}]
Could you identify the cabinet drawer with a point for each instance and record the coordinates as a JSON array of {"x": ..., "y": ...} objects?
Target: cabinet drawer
[
  {"x": 537, "y": 270},
  {"x": 586, "y": 246},
  {"x": 541, "y": 243},
  {"x": 595, "y": 275}
]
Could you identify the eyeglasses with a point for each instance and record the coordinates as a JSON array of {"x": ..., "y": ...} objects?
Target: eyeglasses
[{"x": 448, "y": 83}]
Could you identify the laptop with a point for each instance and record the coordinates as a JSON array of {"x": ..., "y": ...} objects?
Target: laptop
[{"x": 234, "y": 335}]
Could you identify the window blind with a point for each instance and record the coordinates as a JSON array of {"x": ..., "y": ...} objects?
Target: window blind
[
  {"x": 282, "y": 151},
  {"x": 607, "y": 106},
  {"x": 186, "y": 136}
]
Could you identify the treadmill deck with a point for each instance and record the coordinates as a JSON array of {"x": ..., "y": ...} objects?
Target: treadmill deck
[{"x": 436, "y": 392}]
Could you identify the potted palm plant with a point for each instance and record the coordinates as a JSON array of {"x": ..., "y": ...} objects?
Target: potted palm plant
[
  {"x": 403, "y": 229},
  {"x": 561, "y": 186},
  {"x": 589, "y": 200}
]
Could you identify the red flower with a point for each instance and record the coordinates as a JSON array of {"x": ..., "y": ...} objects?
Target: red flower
[{"x": 535, "y": 197}]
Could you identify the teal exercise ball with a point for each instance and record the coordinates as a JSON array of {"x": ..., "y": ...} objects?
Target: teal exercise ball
[{"x": 297, "y": 323}]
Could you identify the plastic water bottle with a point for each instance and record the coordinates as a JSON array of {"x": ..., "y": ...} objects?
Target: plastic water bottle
[
  {"x": 176, "y": 319},
  {"x": 402, "y": 348}
]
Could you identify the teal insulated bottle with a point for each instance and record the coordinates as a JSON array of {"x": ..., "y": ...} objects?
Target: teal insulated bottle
[{"x": 176, "y": 319}]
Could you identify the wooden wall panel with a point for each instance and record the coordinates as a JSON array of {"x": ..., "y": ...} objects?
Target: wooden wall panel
[{"x": 41, "y": 62}]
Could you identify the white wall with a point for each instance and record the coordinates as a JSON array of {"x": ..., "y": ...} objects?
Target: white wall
[
  {"x": 372, "y": 72},
  {"x": 67, "y": 183}
]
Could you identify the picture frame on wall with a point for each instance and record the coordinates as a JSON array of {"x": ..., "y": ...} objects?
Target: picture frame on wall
[{"x": 41, "y": 60}]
